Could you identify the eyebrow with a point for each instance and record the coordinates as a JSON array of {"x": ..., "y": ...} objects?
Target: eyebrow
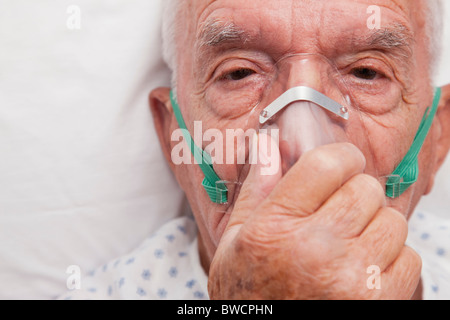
[
  {"x": 215, "y": 33},
  {"x": 395, "y": 38}
]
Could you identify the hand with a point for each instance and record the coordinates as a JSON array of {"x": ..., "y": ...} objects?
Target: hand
[{"x": 313, "y": 233}]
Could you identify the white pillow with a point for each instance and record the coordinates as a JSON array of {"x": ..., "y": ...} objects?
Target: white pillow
[
  {"x": 82, "y": 178},
  {"x": 438, "y": 201}
]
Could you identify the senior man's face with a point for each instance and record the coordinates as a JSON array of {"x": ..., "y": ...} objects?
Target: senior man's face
[{"x": 232, "y": 45}]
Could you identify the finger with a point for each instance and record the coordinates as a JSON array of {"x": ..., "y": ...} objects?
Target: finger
[
  {"x": 264, "y": 174},
  {"x": 402, "y": 277},
  {"x": 384, "y": 238},
  {"x": 315, "y": 177},
  {"x": 349, "y": 210}
]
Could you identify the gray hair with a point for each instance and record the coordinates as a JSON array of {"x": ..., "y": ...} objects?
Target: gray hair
[
  {"x": 171, "y": 27},
  {"x": 435, "y": 28}
]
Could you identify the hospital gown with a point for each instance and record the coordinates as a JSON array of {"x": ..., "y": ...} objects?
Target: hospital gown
[{"x": 167, "y": 265}]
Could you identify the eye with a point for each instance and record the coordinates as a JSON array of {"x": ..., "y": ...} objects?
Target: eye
[
  {"x": 239, "y": 74},
  {"x": 365, "y": 73}
]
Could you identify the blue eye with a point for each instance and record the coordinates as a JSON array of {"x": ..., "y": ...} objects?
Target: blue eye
[
  {"x": 239, "y": 74},
  {"x": 365, "y": 73}
]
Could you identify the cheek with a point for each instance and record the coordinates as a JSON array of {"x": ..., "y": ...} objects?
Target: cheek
[
  {"x": 389, "y": 136},
  {"x": 427, "y": 163},
  {"x": 235, "y": 101},
  {"x": 226, "y": 140},
  {"x": 230, "y": 162},
  {"x": 211, "y": 218}
]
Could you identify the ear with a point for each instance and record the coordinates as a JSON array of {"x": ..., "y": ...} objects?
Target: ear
[
  {"x": 443, "y": 115},
  {"x": 443, "y": 138},
  {"x": 162, "y": 112}
]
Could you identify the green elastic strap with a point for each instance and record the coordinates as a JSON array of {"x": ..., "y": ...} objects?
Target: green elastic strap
[
  {"x": 216, "y": 190},
  {"x": 407, "y": 172}
]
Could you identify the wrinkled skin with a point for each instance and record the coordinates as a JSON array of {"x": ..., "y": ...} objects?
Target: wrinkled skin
[{"x": 294, "y": 236}]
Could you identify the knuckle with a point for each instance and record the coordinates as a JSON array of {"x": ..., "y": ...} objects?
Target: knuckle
[
  {"x": 396, "y": 225},
  {"x": 388, "y": 227},
  {"x": 415, "y": 261},
  {"x": 411, "y": 271},
  {"x": 371, "y": 184},
  {"x": 395, "y": 218},
  {"x": 288, "y": 207},
  {"x": 336, "y": 158},
  {"x": 363, "y": 187},
  {"x": 320, "y": 160}
]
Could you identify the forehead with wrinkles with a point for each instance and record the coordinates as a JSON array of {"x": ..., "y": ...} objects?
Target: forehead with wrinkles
[{"x": 197, "y": 16}]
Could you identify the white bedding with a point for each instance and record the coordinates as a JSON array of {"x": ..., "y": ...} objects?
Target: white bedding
[{"x": 82, "y": 179}]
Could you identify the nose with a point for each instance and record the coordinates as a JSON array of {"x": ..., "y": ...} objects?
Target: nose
[{"x": 309, "y": 71}]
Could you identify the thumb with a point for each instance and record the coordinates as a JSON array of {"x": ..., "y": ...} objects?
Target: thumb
[{"x": 264, "y": 174}]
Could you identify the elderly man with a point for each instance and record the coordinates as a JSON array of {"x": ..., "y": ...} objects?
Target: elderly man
[
  {"x": 341, "y": 93},
  {"x": 313, "y": 232}
]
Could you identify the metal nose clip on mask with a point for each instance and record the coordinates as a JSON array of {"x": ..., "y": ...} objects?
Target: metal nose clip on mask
[{"x": 300, "y": 119}]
